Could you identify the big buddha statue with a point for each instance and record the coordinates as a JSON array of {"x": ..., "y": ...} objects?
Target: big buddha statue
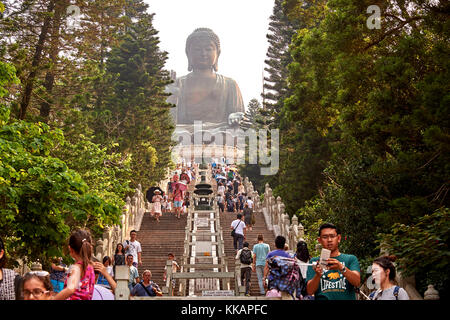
[{"x": 203, "y": 94}]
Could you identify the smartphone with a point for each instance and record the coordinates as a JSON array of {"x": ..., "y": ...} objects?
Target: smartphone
[{"x": 324, "y": 256}]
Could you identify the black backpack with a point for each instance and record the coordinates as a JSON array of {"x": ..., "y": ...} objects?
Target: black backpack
[{"x": 246, "y": 256}]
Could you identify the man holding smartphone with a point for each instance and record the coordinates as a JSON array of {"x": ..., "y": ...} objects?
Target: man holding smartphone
[{"x": 342, "y": 274}]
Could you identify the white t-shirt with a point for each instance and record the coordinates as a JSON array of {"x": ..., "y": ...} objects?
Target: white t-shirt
[
  {"x": 250, "y": 203},
  {"x": 134, "y": 248},
  {"x": 239, "y": 226}
]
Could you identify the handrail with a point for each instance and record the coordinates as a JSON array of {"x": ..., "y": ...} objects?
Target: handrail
[{"x": 276, "y": 219}]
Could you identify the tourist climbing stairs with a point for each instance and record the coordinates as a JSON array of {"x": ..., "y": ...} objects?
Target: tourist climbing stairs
[{"x": 260, "y": 227}]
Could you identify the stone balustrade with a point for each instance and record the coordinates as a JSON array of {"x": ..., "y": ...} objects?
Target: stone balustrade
[
  {"x": 132, "y": 215},
  {"x": 275, "y": 217}
]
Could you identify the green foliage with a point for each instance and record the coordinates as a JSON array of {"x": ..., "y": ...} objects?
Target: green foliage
[
  {"x": 423, "y": 248},
  {"x": 365, "y": 133},
  {"x": 41, "y": 197},
  {"x": 96, "y": 122},
  {"x": 106, "y": 173},
  {"x": 135, "y": 114},
  {"x": 426, "y": 241}
]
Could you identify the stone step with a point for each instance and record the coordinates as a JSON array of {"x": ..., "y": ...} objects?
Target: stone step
[
  {"x": 251, "y": 238},
  {"x": 158, "y": 239}
]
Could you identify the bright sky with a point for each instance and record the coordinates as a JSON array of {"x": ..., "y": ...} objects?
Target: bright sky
[{"x": 241, "y": 26}]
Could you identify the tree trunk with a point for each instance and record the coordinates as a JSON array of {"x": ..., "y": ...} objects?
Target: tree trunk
[
  {"x": 35, "y": 63},
  {"x": 54, "y": 50}
]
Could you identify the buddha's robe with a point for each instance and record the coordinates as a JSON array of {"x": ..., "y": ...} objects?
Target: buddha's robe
[{"x": 211, "y": 107}]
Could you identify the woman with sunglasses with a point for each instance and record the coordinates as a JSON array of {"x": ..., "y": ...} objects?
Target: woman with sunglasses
[{"x": 36, "y": 285}]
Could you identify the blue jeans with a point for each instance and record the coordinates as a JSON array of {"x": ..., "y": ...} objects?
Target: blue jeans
[
  {"x": 238, "y": 238},
  {"x": 260, "y": 275}
]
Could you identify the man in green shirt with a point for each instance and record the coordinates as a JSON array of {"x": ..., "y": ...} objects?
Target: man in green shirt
[{"x": 342, "y": 274}]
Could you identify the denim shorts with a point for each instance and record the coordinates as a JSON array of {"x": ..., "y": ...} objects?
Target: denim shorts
[{"x": 177, "y": 204}]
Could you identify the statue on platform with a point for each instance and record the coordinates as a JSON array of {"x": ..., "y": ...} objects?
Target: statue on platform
[{"x": 204, "y": 95}]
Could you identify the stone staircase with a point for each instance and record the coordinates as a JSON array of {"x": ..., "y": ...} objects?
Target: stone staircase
[
  {"x": 157, "y": 240},
  {"x": 251, "y": 237}
]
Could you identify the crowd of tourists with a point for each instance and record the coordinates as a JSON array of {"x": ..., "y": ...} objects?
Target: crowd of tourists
[
  {"x": 231, "y": 193},
  {"x": 174, "y": 200},
  {"x": 335, "y": 276},
  {"x": 299, "y": 276}
]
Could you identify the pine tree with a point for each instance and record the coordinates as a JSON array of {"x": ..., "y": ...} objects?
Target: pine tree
[
  {"x": 281, "y": 31},
  {"x": 136, "y": 115},
  {"x": 252, "y": 118}
]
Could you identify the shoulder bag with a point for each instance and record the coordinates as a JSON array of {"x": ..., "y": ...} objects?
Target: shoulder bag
[{"x": 234, "y": 230}]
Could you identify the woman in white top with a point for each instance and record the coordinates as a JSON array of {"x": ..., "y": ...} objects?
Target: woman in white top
[
  {"x": 383, "y": 272},
  {"x": 221, "y": 189},
  {"x": 156, "y": 212}
]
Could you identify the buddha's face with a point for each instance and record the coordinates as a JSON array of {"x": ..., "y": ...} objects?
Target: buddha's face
[{"x": 203, "y": 54}]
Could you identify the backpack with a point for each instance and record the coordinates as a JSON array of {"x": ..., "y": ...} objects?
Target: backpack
[
  {"x": 395, "y": 293},
  {"x": 246, "y": 256},
  {"x": 285, "y": 276}
]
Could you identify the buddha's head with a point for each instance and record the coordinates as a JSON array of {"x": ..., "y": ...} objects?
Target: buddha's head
[{"x": 203, "y": 49}]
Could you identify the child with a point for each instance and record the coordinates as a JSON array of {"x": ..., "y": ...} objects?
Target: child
[
  {"x": 175, "y": 266},
  {"x": 58, "y": 274},
  {"x": 36, "y": 285},
  {"x": 80, "y": 283},
  {"x": 101, "y": 279},
  {"x": 164, "y": 202}
]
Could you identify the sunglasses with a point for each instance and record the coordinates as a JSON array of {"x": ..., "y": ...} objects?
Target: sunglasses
[{"x": 39, "y": 273}]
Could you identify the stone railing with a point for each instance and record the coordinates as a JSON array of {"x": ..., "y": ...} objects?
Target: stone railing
[
  {"x": 276, "y": 219},
  {"x": 132, "y": 214},
  {"x": 131, "y": 219}
]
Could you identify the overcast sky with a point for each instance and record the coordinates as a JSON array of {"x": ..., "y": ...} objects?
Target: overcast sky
[{"x": 241, "y": 26}]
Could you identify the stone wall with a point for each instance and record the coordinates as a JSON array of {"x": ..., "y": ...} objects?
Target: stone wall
[{"x": 275, "y": 217}]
